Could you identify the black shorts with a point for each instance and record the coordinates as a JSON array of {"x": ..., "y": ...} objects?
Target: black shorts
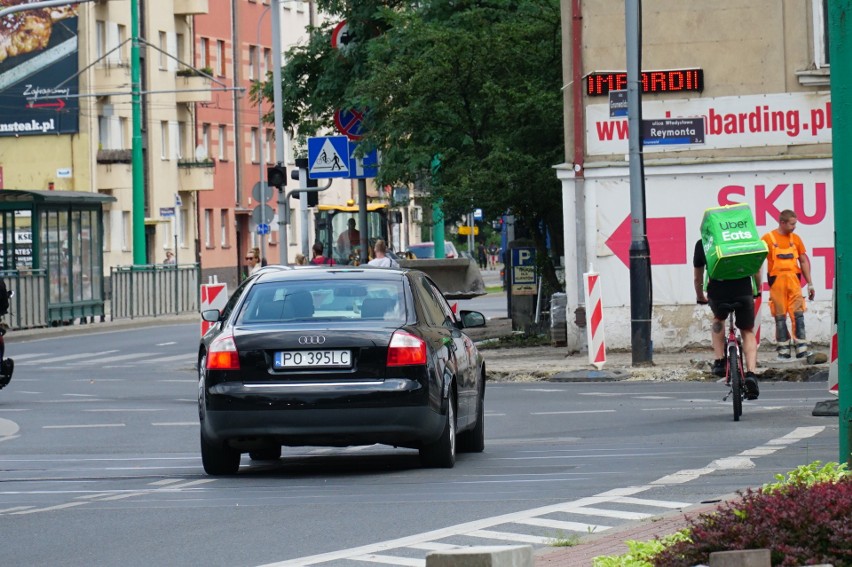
[{"x": 744, "y": 313}]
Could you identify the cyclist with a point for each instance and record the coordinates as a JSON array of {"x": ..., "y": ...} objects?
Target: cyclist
[{"x": 729, "y": 291}]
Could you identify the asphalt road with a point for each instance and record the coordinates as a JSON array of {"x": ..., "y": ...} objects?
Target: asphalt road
[{"x": 99, "y": 464}]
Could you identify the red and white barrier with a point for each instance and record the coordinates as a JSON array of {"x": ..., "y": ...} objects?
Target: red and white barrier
[
  {"x": 594, "y": 320},
  {"x": 833, "y": 369},
  {"x": 213, "y": 296}
]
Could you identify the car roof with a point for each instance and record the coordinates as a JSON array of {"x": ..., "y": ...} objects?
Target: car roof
[{"x": 302, "y": 273}]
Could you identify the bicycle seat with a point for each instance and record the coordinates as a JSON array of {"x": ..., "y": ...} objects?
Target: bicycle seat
[{"x": 730, "y": 305}]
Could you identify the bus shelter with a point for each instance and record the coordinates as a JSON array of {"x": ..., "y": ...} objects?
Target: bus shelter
[{"x": 51, "y": 248}]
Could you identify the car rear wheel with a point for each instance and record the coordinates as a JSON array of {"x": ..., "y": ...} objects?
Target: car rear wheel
[
  {"x": 442, "y": 453},
  {"x": 218, "y": 458},
  {"x": 473, "y": 441},
  {"x": 266, "y": 454}
]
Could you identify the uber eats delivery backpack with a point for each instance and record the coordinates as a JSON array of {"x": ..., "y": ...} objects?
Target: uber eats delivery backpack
[{"x": 731, "y": 243}]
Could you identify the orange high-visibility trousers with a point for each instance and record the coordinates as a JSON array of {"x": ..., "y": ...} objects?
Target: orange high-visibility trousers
[{"x": 785, "y": 297}]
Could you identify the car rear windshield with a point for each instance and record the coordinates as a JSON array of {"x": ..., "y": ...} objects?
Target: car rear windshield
[{"x": 335, "y": 300}]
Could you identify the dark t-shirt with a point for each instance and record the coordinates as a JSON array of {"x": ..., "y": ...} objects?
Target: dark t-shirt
[{"x": 721, "y": 289}]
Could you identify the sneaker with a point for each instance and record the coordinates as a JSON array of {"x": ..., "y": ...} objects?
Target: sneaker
[
  {"x": 752, "y": 391},
  {"x": 719, "y": 368},
  {"x": 784, "y": 357},
  {"x": 804, "y": 354}
]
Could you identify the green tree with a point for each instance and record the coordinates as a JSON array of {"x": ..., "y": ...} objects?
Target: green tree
[{"x": 478, "y": 82}]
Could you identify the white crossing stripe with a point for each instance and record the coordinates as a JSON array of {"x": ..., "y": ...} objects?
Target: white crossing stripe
[
  {"x": 563, "y": 525},
  {"x": 589, "y": 511},
  {"x": 506, "y": 536},
  {"x": 114, "y": 358},
  {"x": 189, "y": 358},
  {"x": 58, "y": 359},
  {"x": 391, "y": 560},
  {"x": 649, "y": 502},
  {"x": 434, "y": 546}
]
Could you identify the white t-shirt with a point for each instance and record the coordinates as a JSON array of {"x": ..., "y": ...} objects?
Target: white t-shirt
[{"x": 385, "y": 262}]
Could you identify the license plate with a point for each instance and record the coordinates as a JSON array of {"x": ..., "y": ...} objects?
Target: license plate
[{"x": 313, "y": 359}]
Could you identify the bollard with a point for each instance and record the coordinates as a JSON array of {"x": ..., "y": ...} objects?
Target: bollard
[
  {"x": 483, "y": 556},
  {"x": 741, "y": 558}
]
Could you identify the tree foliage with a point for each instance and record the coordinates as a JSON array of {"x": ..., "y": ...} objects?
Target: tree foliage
[{"x": 478, "y": 82}]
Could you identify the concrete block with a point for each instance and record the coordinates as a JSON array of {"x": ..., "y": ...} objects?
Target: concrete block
[
  {"x": 483, "y": 556},
  {"x": 741, "y": 558}
]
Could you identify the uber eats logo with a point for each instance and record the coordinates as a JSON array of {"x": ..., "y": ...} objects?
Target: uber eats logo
[{"x": 735, "y": 230}]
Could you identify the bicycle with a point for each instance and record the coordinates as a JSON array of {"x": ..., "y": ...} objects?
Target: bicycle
[{"x": 734, "y": 367}]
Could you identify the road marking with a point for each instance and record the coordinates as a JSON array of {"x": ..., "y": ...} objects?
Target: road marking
[
  {"x": 604, "y": 513},
  {"x": 434, "y": 546},
  {"x": 649, "y": 502},
  {"x": 86, "y": 426},
  {"x": 571, "y": 412},
  {"x": 391, "y": 560},
  {"x": 506, "y": 536},
  {"x": 174, "y": 423},
  {"x": 563, "y": 525},
  {"x": 48, "y": 508},
  {"x": 116, "y": 358},
  {"x": 64, "y": 358},
  {"x": 189, "y": 357},
  {"x": 167, "y": 344},
  {"x": 124, "y": 410}
]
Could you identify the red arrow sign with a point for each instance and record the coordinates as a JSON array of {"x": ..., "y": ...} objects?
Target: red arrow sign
[
  {"x": 59, "y": 104},
  {"x": 666, "y": 238}
]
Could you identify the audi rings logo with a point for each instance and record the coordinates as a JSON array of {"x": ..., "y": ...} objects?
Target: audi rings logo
[{"x": 311, "y": 340}]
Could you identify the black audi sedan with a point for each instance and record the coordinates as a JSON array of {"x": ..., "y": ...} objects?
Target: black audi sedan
[{"x": 338, "y": 356}]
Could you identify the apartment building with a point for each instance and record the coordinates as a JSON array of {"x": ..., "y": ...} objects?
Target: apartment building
[{"x": 737, "y": 109}]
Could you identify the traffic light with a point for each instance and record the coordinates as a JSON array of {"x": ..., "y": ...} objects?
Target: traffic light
[
  {"x": 276, "y": 175},
  {"x": 313, "y": 196}
]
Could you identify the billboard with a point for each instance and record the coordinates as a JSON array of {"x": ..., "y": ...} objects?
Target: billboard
[{"x": 38, "y": 68}]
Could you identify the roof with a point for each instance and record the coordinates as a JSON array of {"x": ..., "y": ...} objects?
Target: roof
[
  {"x": 325, "y": 272},
  {"x": 56, "y": 197}
]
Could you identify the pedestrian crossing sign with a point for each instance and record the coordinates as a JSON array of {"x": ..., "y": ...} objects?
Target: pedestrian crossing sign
[{"x": 328, "y": 157}]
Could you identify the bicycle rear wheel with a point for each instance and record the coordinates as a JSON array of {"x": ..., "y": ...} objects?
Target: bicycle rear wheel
[{"x": 736, "y": 378}]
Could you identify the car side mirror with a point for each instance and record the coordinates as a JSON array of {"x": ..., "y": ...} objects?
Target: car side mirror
[
  {"x": 211, "y": 315},
  {"x": 471, "y": 319}
]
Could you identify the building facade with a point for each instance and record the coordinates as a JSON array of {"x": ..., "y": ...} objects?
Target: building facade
[{"x": 740, "y": 95}]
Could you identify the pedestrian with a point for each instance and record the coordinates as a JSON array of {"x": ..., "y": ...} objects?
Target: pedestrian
[
  {"x": 318, "y": 258},
  {"x": 493, "y": 250},
  {"x": 170, "y": 257},
  {"x": 482, "y": 256},
  {"x": 301, "y": 260},
  {"x": 742, "y": 292},
  {"x": 382, "y": 260},
  {"x": 787, "y": 262},
  {"x": 253, "y": 260}
]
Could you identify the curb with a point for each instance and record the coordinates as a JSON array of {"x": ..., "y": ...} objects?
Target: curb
[{"x": 14, "y": 336}]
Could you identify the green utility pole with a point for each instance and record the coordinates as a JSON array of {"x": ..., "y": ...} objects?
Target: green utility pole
[
  {"x": 437, "y": 212},
  {"x": 139, "y": 253},
  {"x": 840, "y": 55}
]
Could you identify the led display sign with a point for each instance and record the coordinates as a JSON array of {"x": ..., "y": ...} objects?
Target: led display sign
[{"x": 599, "y": 83}]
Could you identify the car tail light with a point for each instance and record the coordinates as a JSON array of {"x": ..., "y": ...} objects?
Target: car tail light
[
  {"x": 406, "y": 350},
  {"x": 223, "y": 354}
]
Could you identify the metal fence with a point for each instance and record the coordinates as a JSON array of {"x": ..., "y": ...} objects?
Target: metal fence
[
  {"x": 28, "y": 307},
  {"x": 152, "y": 290}
]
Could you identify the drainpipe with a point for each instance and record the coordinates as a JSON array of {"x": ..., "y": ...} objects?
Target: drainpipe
[{"x": 578, "y": 152}]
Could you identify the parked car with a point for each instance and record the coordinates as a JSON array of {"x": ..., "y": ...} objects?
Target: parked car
[
  {"x": 426, "y": 250},
  {"x": 338, "y": 356}
]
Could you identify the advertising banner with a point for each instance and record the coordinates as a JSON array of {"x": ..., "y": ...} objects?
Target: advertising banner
[
  {"x": 38, "y": 70},
  {"x": 785, "y": 119}
]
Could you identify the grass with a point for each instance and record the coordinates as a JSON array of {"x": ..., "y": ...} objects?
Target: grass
[
  {"x": 561, "y": 540},
  {"x": 517, "y": 340},
  {"x": 494, "y": 289}
]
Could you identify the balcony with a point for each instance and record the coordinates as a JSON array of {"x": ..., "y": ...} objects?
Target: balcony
[
  {"x": 114, "y": 169},
  {"x": 195, "y": 175},
  {"x": 192, "y": 88},
  {"x": 112, "y": 76},
  {"x": 190, "y": 7}
]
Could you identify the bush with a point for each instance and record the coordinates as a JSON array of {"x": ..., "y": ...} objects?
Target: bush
[{"x": 800, "y": 524}]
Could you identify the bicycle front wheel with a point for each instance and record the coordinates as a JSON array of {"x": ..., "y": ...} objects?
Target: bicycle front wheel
[{"x": 736, "y": 378}]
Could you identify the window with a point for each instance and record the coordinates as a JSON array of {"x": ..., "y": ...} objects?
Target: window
[
  {"x": 292, "y": 235},
  {"x": 205, "y": 139},
  {"x": 126, "y": 227},
  {"x": 254, "y": 145},
  {"x": 204, "y": 53},
  {"x": 107, "y": 229},
  {"x": 223, "y": 143},
  {"x": 223, "y": 219},
  {"x": 100, "y": 38},
  {"x": 103, "y": 133},
  {"x": 123, "y": 140},
  {"x": 267, "y": 62},
  {"x": 164, "y": 48},
  {"x": 220, "y": 58},
  {"x": 267, "y": 146},
  {"x": 181, "y": 139},
  {"x": 208, "y": 228},
  {"x": 184, "y": 226},
  {"x": 122, "y": 37},
  {"x": 180, "y": 47},
  {"x": 821, "y": 57},
  {"x": 164, "y": 139},
  {"x": 252, "y": 63}
]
